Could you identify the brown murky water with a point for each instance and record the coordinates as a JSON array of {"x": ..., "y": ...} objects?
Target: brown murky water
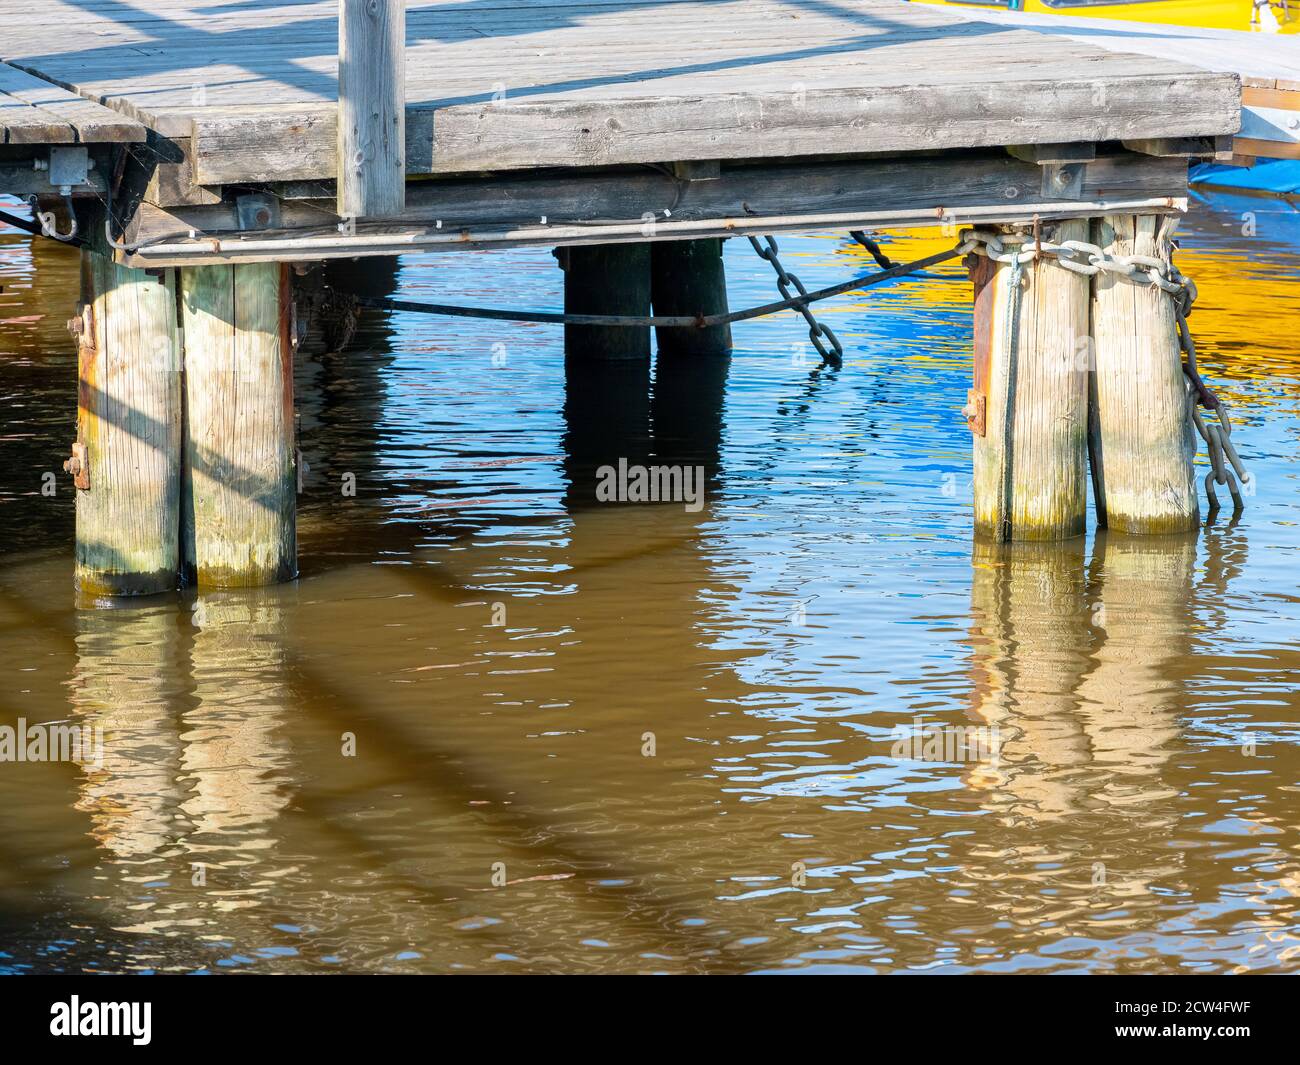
[{"x": 506, "y": 653}]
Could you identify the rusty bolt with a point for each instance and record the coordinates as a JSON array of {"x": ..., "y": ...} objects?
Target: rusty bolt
[{"x": 79, "y": 466}]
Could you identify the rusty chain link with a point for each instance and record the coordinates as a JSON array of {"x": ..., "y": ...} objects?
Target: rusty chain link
[{"x": 784, "y": 281}]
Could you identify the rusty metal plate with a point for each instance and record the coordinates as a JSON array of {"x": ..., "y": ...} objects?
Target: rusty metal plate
[
  {"x": 79, "y": 466},
  {"x": 976, "y": 405}
]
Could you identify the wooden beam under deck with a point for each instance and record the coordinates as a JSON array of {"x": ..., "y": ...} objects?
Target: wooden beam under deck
[{"x": 615, "y": 205}]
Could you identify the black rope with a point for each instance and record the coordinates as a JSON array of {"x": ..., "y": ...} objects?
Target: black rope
[{"x": 703, "y": 321}]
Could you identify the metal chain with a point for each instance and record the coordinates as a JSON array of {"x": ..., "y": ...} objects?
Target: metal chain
[
  {"x": 1217, "y": 437},
  {"x": 784, "y": 281},
  {"x": 1089, "y": 259}
]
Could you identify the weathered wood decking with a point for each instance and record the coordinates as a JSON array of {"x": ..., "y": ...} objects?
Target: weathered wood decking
[
  {"x": 33, "y": 111},
  {"x": 502, "y": 84},
  {"x": 769, "y": 96}
]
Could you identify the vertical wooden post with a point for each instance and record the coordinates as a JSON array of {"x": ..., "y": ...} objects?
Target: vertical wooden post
[
  {"x": 127, "y": 461},
  {"x": 688, "y": 278},
  {"x": 1031, "y": 325},
  {"x": 606, "y": 279},
  {"x": 240, "y": 479},
  {"x": 1140, "y": 437},
  {"x": 372, "y": 108}
]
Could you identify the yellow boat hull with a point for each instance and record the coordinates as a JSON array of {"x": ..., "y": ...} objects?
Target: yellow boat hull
[{"x": 1245, "y": 15}]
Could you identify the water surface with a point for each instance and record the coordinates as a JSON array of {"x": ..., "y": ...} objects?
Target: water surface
[{"x": 505, "y": 651}]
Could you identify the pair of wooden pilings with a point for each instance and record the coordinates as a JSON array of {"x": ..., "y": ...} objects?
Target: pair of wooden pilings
[
  {"x": 1073, "y": 371},
  {"x": 185, "y": 461},
  {"x": 678, "y": 278}
]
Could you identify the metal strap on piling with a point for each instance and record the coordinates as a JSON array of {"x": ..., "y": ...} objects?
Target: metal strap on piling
[{"x": 1006, "y": 453}]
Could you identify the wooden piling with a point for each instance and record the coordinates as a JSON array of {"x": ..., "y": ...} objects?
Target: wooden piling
[
  {"x": 609, "y": 279},
  {"x": 127, "y": 461},
  {"x": 1139, "y": 434},
  {"x": 372, "y": 108},
  {"x": 687, "y": 277},
  {"x": 240, "y": 478},
  {"x": 1030, "y": 396}
]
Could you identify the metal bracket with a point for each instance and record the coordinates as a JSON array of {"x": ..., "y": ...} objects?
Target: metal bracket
[
  {"x": 256, "y": 210},
  {"x": 79, "y": 466},
  {"x": 975, "y": 411},
  {"x": 1063, "y": 181},
  {"x": 69, "y": 167}
]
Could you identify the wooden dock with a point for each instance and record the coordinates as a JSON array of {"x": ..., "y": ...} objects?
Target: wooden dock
[
  {"x": 500, "y": 94},
  {"x": 213, "y": 146}
]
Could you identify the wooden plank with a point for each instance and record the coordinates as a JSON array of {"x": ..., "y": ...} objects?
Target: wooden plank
[
  {"x": 291, "y": 144},
  {"x": 1072, "y": 152},
  {"x": 927, "y": 186},
  {"x": 527, "y": 133},
  {"x": 371, "y": 166},
  {"x": 33, "y": 111},
  {"x": 172, "y": 181},
  {"x": 273, "y": 144},
  {"x": 1281, "y": 99},
  {"x": 714, "y": 59},
  {"x": 1262, "y": 149}
]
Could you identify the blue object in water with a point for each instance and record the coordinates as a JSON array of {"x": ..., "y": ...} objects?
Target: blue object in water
[{"x": 1278, "y": 176}]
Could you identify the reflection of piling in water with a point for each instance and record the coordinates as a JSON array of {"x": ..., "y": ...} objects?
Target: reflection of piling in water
[
  {"x": 1078, "y": 677},
  {"x": 1031, "y": 637},
  {"x": 1129, "y": 698},
  {"x": 231, "y": 748},
  {"x": 120, "y": 683},
  {"x": 686, "y": 411},
  {"x": 606, "y": 417},
  {"x": 611, "y": 412},
  {"x": 208, "y": 752}
]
